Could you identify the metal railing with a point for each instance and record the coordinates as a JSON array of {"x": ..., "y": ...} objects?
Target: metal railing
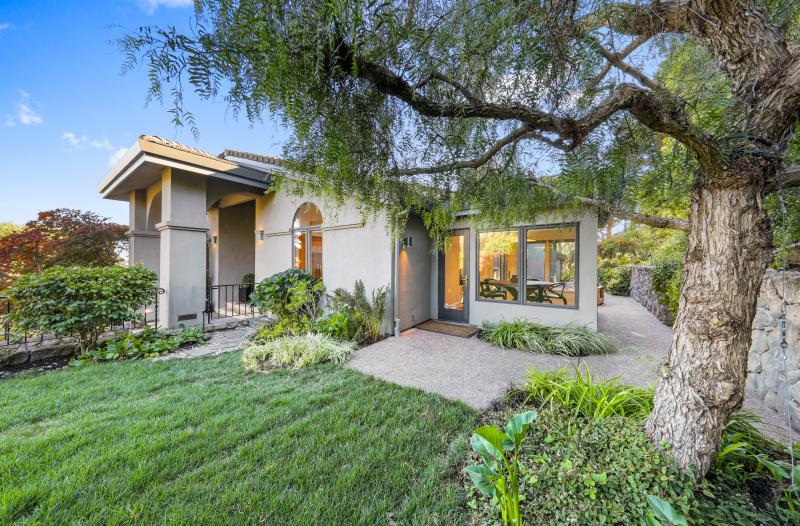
[
  {"x": 229, "y": 301},
  {"x": 10, "y": 335}
]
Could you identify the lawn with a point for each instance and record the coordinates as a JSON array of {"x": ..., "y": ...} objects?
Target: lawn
[{"x": 199, "y": 441}]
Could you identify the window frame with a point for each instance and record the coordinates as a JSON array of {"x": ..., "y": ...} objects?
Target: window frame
[
  {"x": 522, "y": 236},
  {"x": 307, "y": 230}
]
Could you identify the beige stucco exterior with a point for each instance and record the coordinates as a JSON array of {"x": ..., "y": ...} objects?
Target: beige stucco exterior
[{"x": 199, "y": 220}]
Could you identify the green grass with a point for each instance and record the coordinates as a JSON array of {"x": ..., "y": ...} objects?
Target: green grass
[{"x": 201, "y": 442}]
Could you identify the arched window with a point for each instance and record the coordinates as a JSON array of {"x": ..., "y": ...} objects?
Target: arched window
[{"x": 307, "y": 239}]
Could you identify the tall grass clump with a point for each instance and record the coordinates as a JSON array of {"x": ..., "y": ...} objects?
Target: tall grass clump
[
  {"x": 296, "y": 352},
  {"x": 534, "y": 337},
  {"x": 584, "y": 396}
]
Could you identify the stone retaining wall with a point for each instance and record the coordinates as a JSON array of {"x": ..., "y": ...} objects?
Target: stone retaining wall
[
  {"x": 642, "y": 291},
  {"x": 771, "y": 378}
]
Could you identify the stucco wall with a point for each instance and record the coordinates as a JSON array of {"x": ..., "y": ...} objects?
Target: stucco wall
[
  {"x": 353, "y": 247},
  {"x": 586, "y": 313},
  {"x": 414, "y": 271},
  {"x": 235, "y": 243},
  {"x": 771, "y": 378}
]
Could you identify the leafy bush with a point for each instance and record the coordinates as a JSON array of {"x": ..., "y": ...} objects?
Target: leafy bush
[
  {"x": 293, "y": 298},
  {"x": 81, "y": 301},
  {"x": 615, "y": 279},
  {"x": 498, "y": 474},
  {"x": 296, "y": 351},
  {"x": 367, "y": 311},
  {"x": 533, "y": 337},
  {"x": 342, "y": 323},
  {"x": 147, "y": 344},
  {"x": 668, "y": 280},
  {"x": 249, "y": 278}
]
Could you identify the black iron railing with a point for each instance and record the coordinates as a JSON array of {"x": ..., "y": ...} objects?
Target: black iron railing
[
  {"x": 14, "y": 336},
  {"x": 228, "y": 301}
]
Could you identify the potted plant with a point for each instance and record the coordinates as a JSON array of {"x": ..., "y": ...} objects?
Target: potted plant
[{"x": 246, "y": 287}]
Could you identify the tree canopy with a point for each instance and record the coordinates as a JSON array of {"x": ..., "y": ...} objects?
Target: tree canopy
[{"x": 59, "y": 237}]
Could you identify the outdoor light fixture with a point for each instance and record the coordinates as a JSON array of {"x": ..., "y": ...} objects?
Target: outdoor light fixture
[
  {"x": 260, "y": 235},
  {"x": 214, "y": 239},
  {"x": 407, "y": 242}
]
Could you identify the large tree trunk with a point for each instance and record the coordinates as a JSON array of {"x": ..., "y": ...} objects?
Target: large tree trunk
[{"x": 729, "y": 247}]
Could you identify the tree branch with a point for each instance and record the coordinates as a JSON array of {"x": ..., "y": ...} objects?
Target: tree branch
[
  {"x": 661, "y": 112},
  {"x": 791, "y": 179},
  {"x": 622, "y": 55},
  {"x": 617, "y": 60},
  {"x": 436, "y": 75},
  {"x": 617, "y": 211}
]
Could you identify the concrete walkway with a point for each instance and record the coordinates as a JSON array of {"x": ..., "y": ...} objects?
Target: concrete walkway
[{"x": 478, "y": 373}]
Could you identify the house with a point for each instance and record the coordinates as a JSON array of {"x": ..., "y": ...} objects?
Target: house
[{"x": 203, "y": 222}]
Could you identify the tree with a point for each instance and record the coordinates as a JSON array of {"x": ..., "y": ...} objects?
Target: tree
[
  {"x": 458, "y": 101},
  {"x": 60, "y": 237}
]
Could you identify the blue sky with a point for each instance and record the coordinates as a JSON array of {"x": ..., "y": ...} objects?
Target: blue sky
[{"x": 65, "y": 109}]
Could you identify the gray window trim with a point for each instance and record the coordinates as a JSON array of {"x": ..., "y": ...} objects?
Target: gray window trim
[{"x": 522, "y": 270}]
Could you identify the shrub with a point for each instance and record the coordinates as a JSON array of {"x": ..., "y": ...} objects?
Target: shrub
[
  {"x": 616, "y": 279},
  {"x": 367, "y": 311},
  {"x": 533, "y": 337},
  {"x": 249, "y": 279},
  {"x": 668, "y": 280},
  {"x": 81, "y": 301},
  {"x": 147, "y": 344},
  {"x": 296, "y": 352},
  {"x": 342, "y": 323},
  {"x": 292, "y": 297}
]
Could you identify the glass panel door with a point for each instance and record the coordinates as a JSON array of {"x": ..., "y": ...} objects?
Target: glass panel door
[{"x": 454, "y": 278}]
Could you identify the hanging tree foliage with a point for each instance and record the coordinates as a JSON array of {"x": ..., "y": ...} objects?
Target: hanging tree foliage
[{"x": 512, "y": 107}]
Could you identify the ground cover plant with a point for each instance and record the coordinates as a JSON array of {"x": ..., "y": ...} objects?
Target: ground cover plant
[
  {"x": 296, "y": 351},
  {"x": 188, "y": 442},
  {"x": 80, "y": 301},
  {"x": 748, "y": 484},
  {"x": 148, "y": 343},
  {"x": 533, "y": 337}
]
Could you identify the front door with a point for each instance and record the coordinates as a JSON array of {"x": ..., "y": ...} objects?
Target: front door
[{"x": 454, "y": 278}]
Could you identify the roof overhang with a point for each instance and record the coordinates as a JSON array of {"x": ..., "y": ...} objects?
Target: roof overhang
[{"x": 143, "y": 164}]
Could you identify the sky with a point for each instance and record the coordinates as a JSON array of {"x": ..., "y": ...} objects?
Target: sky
[{"x": 66, "y": 111}]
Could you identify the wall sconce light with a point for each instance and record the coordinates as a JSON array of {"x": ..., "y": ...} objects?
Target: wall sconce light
[
  {"x": 214, "y": 239},
  {"x": 407, "y": 242},
  {"x": 260, "y": 235}
]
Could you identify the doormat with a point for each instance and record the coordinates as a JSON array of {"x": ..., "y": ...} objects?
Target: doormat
[{"x": 453, "y": 329}]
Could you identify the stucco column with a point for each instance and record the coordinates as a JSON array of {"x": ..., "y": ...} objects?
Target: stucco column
[
  {"x": 184, "y": 233},
  {"x": 143, "y": 244}
]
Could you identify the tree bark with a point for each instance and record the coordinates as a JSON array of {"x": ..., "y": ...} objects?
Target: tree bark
[{"x": 729, "y": 247}]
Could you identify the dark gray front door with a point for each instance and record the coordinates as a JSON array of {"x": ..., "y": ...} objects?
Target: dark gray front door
[{"x": 454, "y": 278}]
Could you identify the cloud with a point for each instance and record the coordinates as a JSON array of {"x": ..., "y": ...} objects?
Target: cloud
[
  {"x": 150, "y": 6},
  {"x": 83, "y": 142},
  {"x": 24, "y": 113},
  {"x": 6, "y": 25},
  {"x": 116, "y": 156}
]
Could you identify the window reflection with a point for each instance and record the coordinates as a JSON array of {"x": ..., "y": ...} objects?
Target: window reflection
[
  {"x": 498, "y": 265},
  {"x": 307, "y": 226},
  {"x": 550, "y": 265}
]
